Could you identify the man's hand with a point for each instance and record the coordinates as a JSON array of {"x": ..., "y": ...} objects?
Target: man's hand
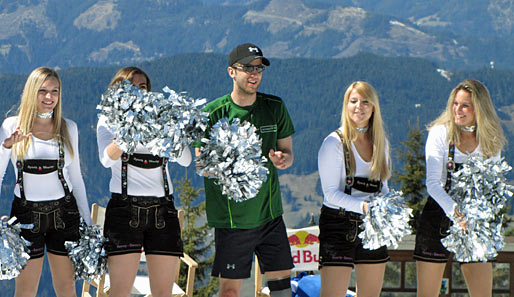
[{"x": 278, "y": 158}]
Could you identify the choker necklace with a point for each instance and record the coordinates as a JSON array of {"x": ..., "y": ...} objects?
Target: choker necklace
[
  {"x": 44, "y": 115},
  {"x": 468, "y": 128},
  {"x": 362, "y": 130}
]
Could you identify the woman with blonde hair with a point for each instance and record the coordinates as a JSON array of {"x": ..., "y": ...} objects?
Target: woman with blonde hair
[
  {"x": 468, "y": 126},
  {"x": 141, "y": 213},
  {"x": 50, "y": 193},
  {"x": 353, "y": 163}
]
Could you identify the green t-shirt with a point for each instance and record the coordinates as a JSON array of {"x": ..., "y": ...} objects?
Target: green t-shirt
[{"x": 269, "y": 115}]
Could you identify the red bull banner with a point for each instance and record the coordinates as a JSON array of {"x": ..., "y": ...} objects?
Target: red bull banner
[{"x": 304, "y": 248}]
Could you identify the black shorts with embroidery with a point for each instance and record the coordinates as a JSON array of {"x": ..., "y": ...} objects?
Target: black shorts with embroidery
[
  {"x": 433, "y": 225},
  {"x": 54, "y": 221},
  {"x": 235, "y": 248},
  {"x": 142, "y": 222},
  {"x": 339, "y": 241}
]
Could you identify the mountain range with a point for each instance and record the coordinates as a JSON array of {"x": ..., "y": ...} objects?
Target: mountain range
[{"x": 459, "y": 34}]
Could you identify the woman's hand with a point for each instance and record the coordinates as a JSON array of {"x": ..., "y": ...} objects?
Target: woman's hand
[
  {"x": 365, "y": 207},
  {"x": 16, "y": 137},
  {"x": 463, "y": 223}
]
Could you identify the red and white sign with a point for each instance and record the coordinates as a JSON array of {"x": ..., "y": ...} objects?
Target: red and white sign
[{"x": 304, "y": 248}]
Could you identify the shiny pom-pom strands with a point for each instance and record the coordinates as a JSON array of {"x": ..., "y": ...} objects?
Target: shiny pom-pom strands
[
  {"x": 14, "y": 251},
  {"x": 233, "y": 156},
  {"x": 481, "y": 192},
  {"x": 386, "y": 222},
  {"x": 165, "y": 125},
  {"x": 88, "y": 253}
]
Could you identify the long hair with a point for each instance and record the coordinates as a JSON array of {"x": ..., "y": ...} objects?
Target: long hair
[
  {"x": 28, "y": 108},
  {"x": 380, "y": 167},
  {"x": 127, "y": 73},
  {"x": 489, "y": 132}
]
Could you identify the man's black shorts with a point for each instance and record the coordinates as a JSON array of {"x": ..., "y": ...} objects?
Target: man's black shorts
[
  {"x": 339, "y": 241},
  {"x": 235, "y": 248}
]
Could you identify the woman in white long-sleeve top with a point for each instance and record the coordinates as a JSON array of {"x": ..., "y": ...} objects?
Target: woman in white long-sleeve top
[
  {"x": 50, "y": 192},
  {"x": 141, "y": 213},
  {"x": 353, "y": 164},
  {"x": 468, "y": 126}
]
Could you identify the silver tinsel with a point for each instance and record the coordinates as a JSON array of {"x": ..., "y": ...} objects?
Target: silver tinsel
[
  {"x": 233, "y": 156},
  {"x": 386, "y": 222},
  {"x": 14, "y": 251},
  {"x": 88, "y": 254},
  {"x": 164, "y": 125},
  {"x": 480, "y": 190},
  {"x": 181, "y": 122}
]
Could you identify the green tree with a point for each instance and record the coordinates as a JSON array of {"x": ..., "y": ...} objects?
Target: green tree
[
  {"x": 413, "y": 177},
  {"x": 196, "y": 237}
]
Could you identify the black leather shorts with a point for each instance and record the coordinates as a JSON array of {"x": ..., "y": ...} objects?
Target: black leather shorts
[
  {"x": 142, "y": 222},
  {"x": 54, "y": 221}
]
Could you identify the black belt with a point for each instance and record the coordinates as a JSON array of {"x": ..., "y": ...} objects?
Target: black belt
[{"x": 341, "y": 213}]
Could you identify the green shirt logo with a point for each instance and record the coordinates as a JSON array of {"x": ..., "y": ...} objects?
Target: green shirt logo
[{"x": 268, "y": 129}]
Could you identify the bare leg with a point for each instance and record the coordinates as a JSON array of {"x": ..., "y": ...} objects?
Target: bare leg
[
  {"x": 479, "y": 278},
  {"x": 370, "y": 278},
  {"x": 430, "y": 276},
  {"x": 335, "y": 280},
  {"x": 230, "y": 287},
  {"x": 161, "y": 271},
  {"x": 62, "y": 275},
  {"x": 27, "y": 282},
  {"x": 122, "y": 273}
]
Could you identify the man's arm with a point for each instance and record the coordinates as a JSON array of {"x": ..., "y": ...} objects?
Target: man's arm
[{"x": 283, "y": 157}]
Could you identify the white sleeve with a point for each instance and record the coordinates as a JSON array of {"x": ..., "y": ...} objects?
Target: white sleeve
[
  {"x": 186, "y": 157},
  {"x": 385, "y": 185},
  {"x": 104, "y": 137},
  {"x": 436, "y": 154},
  {"x": 5, "y": 153},
  {"x": 79, "y": 189},
  {"x": 332, "y": 175}
]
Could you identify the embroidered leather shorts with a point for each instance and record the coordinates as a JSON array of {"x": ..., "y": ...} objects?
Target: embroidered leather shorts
[
  {"x": 140, "y": 222},
  {"x": 54, "y": 221}
]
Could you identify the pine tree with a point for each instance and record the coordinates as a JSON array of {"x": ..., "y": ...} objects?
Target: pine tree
[
  {"x": 196, "y": 237},
  {"x": 413, "y": 177}
]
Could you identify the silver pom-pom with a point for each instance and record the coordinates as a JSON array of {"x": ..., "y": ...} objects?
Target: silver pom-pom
[
  {"x": 480, "y": 191},
  {"x": 181, "y": 122},
  {"x": 233, "y": 156},
  {"x": 14, "y": 251},
  {"x": 130, "y": 113},
  {"x": 386, "y": 222},
  {"x": 88, "y": 254},
  {"x": 164, "y": 125}
]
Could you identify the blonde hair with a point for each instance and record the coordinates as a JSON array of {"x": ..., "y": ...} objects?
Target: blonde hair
[
  {"x": 127, "y": 73},
  {"x": 28, "y": 109},
  {"x": 380, "y": 167},
  {"x": 489, "y": 132}
]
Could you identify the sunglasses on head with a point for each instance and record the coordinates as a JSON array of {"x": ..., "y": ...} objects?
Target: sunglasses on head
[{"x": 251, "y": 68}]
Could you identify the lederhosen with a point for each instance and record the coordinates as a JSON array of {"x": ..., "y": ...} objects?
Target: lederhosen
[
  {"x": 433, "y": 224},
  {"x": 342, "y": 217},
  {"x": 146, "y": 213},
  {"x": 144, "y": 204},
  {"x": 46, "y": 216}
]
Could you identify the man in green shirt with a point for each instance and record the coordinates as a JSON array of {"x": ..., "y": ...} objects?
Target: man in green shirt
[{"x": 254, "y": 225}]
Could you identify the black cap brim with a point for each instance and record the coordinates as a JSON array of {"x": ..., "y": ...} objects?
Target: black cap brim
[{"x": 249, "y": 59}]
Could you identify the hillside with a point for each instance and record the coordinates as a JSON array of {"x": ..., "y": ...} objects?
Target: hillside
[
  {"x": 454, "y": 34},
  {"x": 312, "y": 89}
]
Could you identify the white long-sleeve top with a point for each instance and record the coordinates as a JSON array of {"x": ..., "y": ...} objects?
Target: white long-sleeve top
[
  {"x": 332, "y": 172},
  {"x": 436, "y": 155},
  {"x": 140, "y": 181},
  {"x": 47, "y": 187}
]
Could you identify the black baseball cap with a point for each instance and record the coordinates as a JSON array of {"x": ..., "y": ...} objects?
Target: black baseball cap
[{"x": 246, "y": 53}]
